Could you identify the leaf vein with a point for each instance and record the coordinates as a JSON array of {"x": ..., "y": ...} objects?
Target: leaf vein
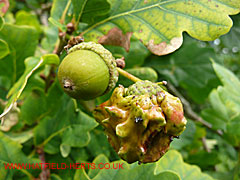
[{"x": 150, "y": 27}]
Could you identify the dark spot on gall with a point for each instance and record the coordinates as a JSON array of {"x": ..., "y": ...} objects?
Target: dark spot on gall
[{"x": 138, "y": 119}]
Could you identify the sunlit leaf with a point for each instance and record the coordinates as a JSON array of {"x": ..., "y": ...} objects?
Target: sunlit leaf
[{"x": 159, "y": 24}]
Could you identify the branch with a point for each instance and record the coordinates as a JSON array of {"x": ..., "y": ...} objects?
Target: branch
[
  {"x": 205, "y": 145},
  {"x": 45, "y": 174},
  {"x": 188, "y": 110},
  {"x": 61, "y": 43}
]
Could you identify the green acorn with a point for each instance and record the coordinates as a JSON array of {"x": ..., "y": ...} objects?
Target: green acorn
[
  {"x": 141, "y": 121},
  {"x": 88, "y": 71}
]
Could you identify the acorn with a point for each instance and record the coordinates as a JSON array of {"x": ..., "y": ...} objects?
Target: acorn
[{"x": 88, "y": 71}]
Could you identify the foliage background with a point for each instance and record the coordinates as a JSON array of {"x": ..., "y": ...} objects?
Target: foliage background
[{"x": 46, "y": 125}]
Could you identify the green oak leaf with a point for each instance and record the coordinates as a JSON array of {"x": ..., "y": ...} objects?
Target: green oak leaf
[
  {"x": 169, "y": 167},
  {"x": 81, "y": 174},
  {"x": 211, "y": 159},
  {"x": 34, "y": 107},
  {"x": 64, "y": 174},
  {"x": 26, "y": 18},
  {"x": 20, "y": 137},
  {"x": 1, "y": 22},
  {"x": 66, "y": 128},
  {"x": 11, "y": 153},
  {"x": 62, "y": 27},
  {"x": 57, "y": 9},
  {"x": 5, "y": 84},
  {"x": 159, "y": 24},
  {"x": 131, "y": 172},
  {"x": 98, "y": 160},
  {"x": 232, "y": 40},
  {"x": 4, "y": 49},
  {"x": 31, "y": 64},
  {"x": 225, "y": 101},
  {"x": 37, "y": 103},
  {"x": 22, "y": 43},
  {"x": 50, "y": 39},
  {"x": 88, "y": 10},
  {"x": 173, "y": 161},
  {"x": 185, "y": 68},
  {"x": 100, "y": 145},
  {"x": 186, "y": 138}
]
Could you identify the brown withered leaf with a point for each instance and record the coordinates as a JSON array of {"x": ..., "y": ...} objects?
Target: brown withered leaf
[
  {"x": 116, "y": 37},
  {"x": 5, "y": 6},
  {"x": 163, "y": 48}
]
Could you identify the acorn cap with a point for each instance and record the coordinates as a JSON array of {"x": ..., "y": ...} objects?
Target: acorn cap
[{"x": 105, "y": 55}]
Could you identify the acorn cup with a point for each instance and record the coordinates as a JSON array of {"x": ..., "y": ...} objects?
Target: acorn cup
[
  {"x": 141, "y": 121},
  {"x": 88, "y": 71}
]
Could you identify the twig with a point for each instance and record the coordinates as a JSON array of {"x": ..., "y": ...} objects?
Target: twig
[
  {"x": 45, "y": 174},
  {"x": 128, "y": 75},
  {"x": 62, "y": 35},
  {"x": 189, "y": 112},
  {"x": 61, "y": 43},
  {"x": 205, "y": 145}
]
